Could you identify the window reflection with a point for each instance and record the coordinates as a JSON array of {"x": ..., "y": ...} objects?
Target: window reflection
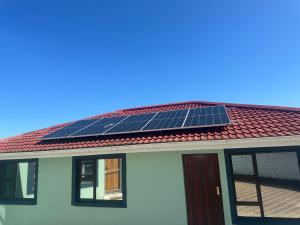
[
  {"x": 267, "y": 184},
  {"x": 279, "y": 179},
  {"x": 101, "y": 179},
  {"x": 18, "y": 180}
]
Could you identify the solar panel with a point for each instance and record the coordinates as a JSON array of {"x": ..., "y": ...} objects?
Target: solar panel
[
  {"x": 99, "y": 127},
  {"x": 206, "y": 117},
  {"x": 70, "y": 129},
  {"x": 175, "y": 119},
  {"x": 132, "y": 123},
  {"x": 167, "y": 120}
]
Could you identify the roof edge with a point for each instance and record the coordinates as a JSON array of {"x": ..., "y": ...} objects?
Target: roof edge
[{"x": 161, "y": 147}]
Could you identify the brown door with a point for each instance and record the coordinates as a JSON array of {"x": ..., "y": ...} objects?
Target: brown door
[{"x": 203, "y": 190}]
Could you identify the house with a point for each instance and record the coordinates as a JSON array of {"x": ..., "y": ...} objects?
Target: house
[{"x": 241, "y": 171}]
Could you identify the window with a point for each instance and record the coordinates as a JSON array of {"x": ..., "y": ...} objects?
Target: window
[
  {"x": 18, "y": 181},
  {"x": 265, "y": 183},
  {"x": 100, "y": 180}
]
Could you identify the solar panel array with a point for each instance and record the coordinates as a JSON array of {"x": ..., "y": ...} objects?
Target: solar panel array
[{"x": 211, "y": 116}]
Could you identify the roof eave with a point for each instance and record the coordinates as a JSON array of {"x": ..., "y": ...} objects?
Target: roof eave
[{"x": 162, "y": 147}]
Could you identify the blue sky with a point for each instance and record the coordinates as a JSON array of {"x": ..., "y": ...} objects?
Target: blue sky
[{"x": 66, "y": 60}]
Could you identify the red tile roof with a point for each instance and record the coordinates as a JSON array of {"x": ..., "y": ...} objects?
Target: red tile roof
[{"x": 248, "y": 121}]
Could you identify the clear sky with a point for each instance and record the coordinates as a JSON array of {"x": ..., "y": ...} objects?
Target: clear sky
[{"x": 65, "y": 60}]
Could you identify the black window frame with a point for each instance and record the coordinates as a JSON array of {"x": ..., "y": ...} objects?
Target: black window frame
[
  {"x": 19, "y": 201},
  {"x": 76, "y": 201},
  {"x": 243, "y": 220}
]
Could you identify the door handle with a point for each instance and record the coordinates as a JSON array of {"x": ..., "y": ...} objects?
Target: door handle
[{"x": 218, "y": 190}]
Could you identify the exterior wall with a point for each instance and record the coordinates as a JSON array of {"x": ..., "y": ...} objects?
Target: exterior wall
[{"x": 155, "y": 192}]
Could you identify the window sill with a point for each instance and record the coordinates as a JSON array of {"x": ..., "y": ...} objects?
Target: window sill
[
  {"x": 267, "y": 221},
  {"x": 104, "y": 203},
  {"x": 18, "y": 202}
]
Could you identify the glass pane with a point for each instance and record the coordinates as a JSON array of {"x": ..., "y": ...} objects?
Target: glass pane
[
  {"x": 280, "y": 184},
  {"x": 109, "y": 179},
  {"x": 25, "y": 180},
  {"x": 279, "y": 166},
  {"x": 31, "y": 178},
  {"x": 9, "y": 190},
  {"x": 242, "y": 165},
  {"x": 280, "y": 201},
  {"x": 249, "y": 211},
  {"x": 10, "y": 172},
  {"x": 9, "y": 180},
  {"x": 245, "y": 191},
  {"x": 88, "y": 170},
  {"x": 87, "y": 179},
  {"x": 87, "y": 189},
  {"x": 19, "y": 180}
]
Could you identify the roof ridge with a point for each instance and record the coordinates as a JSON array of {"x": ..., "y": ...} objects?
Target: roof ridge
[{"x": 284, "y": 108}]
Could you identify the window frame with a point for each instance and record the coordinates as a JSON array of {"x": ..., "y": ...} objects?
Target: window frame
[
  {"x": 76, "y": 201},
  {"x": 20, "y": 201},
  {"x": 231, "y": 186}
]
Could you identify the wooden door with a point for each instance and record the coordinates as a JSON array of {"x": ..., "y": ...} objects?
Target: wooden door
[{"x": 203, "y": 190}]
